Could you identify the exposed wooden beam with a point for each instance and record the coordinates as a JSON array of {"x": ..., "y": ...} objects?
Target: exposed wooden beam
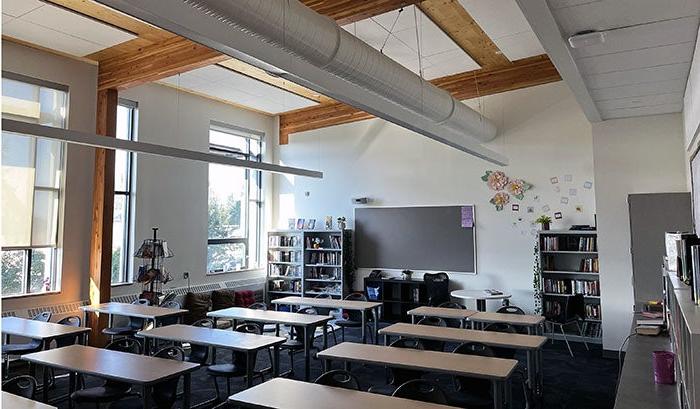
[
  {"x": 454, "y": 20},
  {"x": 349, "y": 11},
  {"x": 102, "y": 213},
  {"x": 523, "y": 73}
]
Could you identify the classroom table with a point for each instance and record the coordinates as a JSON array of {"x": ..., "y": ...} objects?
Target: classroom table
[
  {"x": 480, "y": 296},
  {"x": 10, "y": 401},
  {"x": 531, "y": 344},
  {"x": 282, "y": 393},
  {"x": 440, "y": 312},
  {"x": 147, "y": 312},
  {"x": 44, "y": 331},
  {"x": 497, "y": 370},
  {"x": 144, "y": 371},
  {"x": 361, "y": 306},
  {"x": 305, "y": 321},
  {"x": 533, "y": 323},
  {"x": 218, "y": 338}
]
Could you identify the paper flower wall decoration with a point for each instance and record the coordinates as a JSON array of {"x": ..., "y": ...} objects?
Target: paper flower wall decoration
[
  {"x": 499, "y": 181},
  {"x": 496, "y": 180},
  {"x": 517, "y": 188},
  {"x": 499, "y": 200}
]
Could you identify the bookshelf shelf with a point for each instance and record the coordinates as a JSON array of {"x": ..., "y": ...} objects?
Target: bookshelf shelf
[
  {"x": 286, "y": 263},
  {"x": 569, "y": 295},
  {"x": 284, "y": 292},
  {"x": 590, "y": 273},
  {"x": 325, "y": 265},
  {"x": 283, "y": 248},
  {"x": 309, "y": 249},
  {"x": 568, "y": 252},
  {"x": 323, "y": 280}
]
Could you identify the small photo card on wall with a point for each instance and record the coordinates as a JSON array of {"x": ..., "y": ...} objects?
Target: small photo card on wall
[
  {"x": 587, "y": 185},
  {"x": 564, "y": 200},
  {"x": 545, "y": 208},
  {"x": 573, "y": 191},
  {"x": 557, "y": 215},
  {"x": 515, "y": 207},
  {"x": 568, "y": 178},
  {"x": 554, "y": 180}
]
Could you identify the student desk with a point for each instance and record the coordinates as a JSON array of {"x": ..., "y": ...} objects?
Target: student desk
[
  {"x": 218, "y": 338},
  {"x": 141, "y": 370},
  {"x": 495, "y": 369},
  {"x": 282, "y": 393},
  {"x": 11, "y": 401},
  {"x": 531, "y": 344},
  {"x": 361, "y": 306},
  {"x": 305, "y": 321},
  {"x": 146, "y": 312},
  {"x": 446, "y": 313},
  {"x": 45, "y": 331},
  {"x": 533, "y": 323}
]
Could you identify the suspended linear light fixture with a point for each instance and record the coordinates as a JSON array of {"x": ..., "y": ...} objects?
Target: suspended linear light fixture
[{"x": 99, "y": 141}]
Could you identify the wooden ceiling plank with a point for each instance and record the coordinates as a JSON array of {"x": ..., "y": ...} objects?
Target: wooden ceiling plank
[{"x": 350, "y": 11}]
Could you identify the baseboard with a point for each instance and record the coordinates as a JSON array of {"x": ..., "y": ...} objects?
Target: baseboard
[{"x": 612, "y": 354}]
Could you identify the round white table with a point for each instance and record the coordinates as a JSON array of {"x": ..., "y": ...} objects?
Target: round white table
[{"x": 480, "y": 296}]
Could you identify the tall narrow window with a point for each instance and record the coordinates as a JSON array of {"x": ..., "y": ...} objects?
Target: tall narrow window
[
  {"x": 235, "y": 201},
  {"x": 124, "y": 176},
  {"x": 31, "y": 182}
]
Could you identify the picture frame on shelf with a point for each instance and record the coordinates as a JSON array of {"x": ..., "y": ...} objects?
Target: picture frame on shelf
[
  {"x": 310, "y": 224},
  {"x": 291, "y": 223},
  {"x": 300, "y": 224}
]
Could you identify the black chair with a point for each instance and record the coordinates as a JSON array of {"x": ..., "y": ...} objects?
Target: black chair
[
  {"x": 199, "y": 354},
  {"x": 453, "y": 323},
  {"x": 339, "y": 378},
  {"x": 135, "y": 325},
  {"x": 474, "y": 392},
  {"x": 507, "y": 353},
  {"x": 354, "y": 318},
  {"x": 422, "y": 390},
  {"x": 437, "y": 286},
  {"x": 511, "y": 309},
  {"x": 295, "y": 341},
  {"x": 65, "y": 341},
  {"x": 327, "y": 311},
  {"x": 170, "y": 320},
  {"x": 164, "y": 394},
  {"x": 399, "y": 376},
  {"x": 34, "y": 345},
  {"x": 109, "y": 391},
  {"x": 432, "y": 345},
  {"x": 23, "y": 385},
  {"x": 237, "y": 367},
  {"x": 573, "y": 311},
  {"x": 264, "y": 327}
]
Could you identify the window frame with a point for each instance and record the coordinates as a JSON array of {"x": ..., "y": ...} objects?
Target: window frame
[{"x": 250, "y": 136}]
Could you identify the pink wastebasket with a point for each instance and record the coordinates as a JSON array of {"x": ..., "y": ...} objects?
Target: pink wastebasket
[{"x": 664, "y": 368}]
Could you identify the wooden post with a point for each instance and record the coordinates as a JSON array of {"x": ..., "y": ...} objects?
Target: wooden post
[{"x": 102, "y": 213}]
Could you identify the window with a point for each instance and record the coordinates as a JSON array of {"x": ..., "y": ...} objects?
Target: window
[
  {"x": 124, "y": 177},
  {"x": 235, "y": 201},
  {"x": 31, "y": 182}
]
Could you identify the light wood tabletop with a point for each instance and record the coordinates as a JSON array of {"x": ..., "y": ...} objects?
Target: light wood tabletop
[
  {"x": 282, "y": 393},
  {"x": 276, "y": 317},
  {"x": 444, "y": 362},
  {"x": 38, "y": 329},
  {"x": 133, "y": 310},
  {"x": 449, "y": 313},
  {"x": 10, "y": 401},
  {"x": 513, "y": 319},
  {"x": 114, "y": 365},
  {"x": 327, "y": 303},
  {"x": 212, "y": 337},
  {"x": 493, "y": 339}
]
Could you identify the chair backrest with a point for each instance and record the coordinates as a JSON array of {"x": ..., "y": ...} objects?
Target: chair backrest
[
  {"x": 258, "y": 306},
  {"x": 70, "y": 339},
  {"x": 165, "y": 393},
  {"x": 355, "y": 315},
  {"x": 339, "y": 378},
  {"x": 452, "y": 304},
  {"x": 398, "y": 375},
  {"x": 23, "y": 385},
  {"x": 174, "y": 305},
  {"x": 129, "y": 345},
  {"x": 137, "y": 323},
  {"x": 438, "y": 287},
  {"x": 475, "y": 386},
  {"x": 324, "y": 311},
  {"x": 422, "y": 390},
  {"x": 507, "y": 353},
  {"x": 511, "y": 309},
  {"x": 432, "y": 345},
  {"x": 141, "y": 301},
  {"x": 43, "y": 316},
  {"x": 240, "y": 357},
  {"x": 199, "y": 353}
]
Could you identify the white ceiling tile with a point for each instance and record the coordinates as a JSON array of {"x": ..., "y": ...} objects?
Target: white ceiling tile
[
  {"x": 520, "y": 45},
  {"x": 498, "y": 18},
  {"x": 557, "y": 4},
  {"x": 629, "y": 60},
  {"x": 638, "y": 76},
  {"x": 49, "y": 38},
  {"x": 212, "y": 73},
  {"x": 406, "y": 19},
  {"x": 638, "y": 90},
  {"x": 368, "y": 31},
  {"x": 643, "y": 101},
  {"x": 78, "y": 26},
  {"x": 448, "y": 63},
  {"x": 401, "y": 53},
  {"x": 642, "y": 111},
  {"x": 16, "y": 8}
]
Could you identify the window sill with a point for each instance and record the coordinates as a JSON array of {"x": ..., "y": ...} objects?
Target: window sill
[
  {"x": 245, "y": 270},
  {"x": 121, "y": 284},
  {"x": 17, "y": 296}
]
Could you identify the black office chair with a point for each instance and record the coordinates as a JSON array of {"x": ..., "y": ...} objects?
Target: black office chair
[
  {"x": 399, "y": 376},
  {"x": 109, "y": 391},
  {"x": 507, "y": 353},
  {"x": 135, "y": 325},
  {"x": 354, "y": 318},
  {"x": 23, "y": 385},
  {"x": 573, "y": 311},
  {"x": 295, "y": 341},
  {"x": 429, "y": 344},
  {"x": 237, "y": 367},
  {"x": 339, "y": 378},
  {"x": 164, "y": 394},
  {"x": 422, "y": 390},
  {"x": 437, "y": 286},
  {"x": 473, "y": 392},
  {"x": 34, "y": 345}
]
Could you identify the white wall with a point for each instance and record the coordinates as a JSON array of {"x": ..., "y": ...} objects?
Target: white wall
[
  {"x": 542, "y": 131},
  {"x": 172, "y": 193},
  {"x": 81, "y": 79},
  {"x": 633, "y": 155},
  {"x": 691, "y": 103}
]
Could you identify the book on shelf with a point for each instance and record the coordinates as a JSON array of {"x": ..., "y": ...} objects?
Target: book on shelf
[
  {"x": 556, "y": 243},
  {"x": 550, "y": 244},
  {"x": 589, "y": 265},
  {"x": 571, "y": 287},
  {"x": 324, "y": 258},
  {"x": 283, "y": 241},
  {"x": 587, "y": 244},
  {"x": 283, "y": 270},
  {"x": 284, "y": 256}
]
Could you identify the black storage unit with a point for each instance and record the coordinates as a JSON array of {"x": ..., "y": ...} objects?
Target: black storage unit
[{"x": 397, "y": 296}]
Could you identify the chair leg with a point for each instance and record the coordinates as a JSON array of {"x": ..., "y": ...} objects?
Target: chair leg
[
  {"x": 561, "y": 327},
  {"x": 342, "y": 334},
  {"x": 216, "y": 387},
  {"x": 228, "y": 387},
  {"x": 580, "y": 333},
  {"x": 335, "y": 337}
]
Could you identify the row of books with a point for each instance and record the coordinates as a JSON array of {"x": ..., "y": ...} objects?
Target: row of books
[
  {"x": 321, "y": 288},
  {"x": 593, "y": 330},
  {"x": 554, "y": 309},
  {"x": 585, "y": 287},
  {"x": 283, "y": 270},
  {"x": 324, "y": 258},
  {"x": 334, "y": 242},
  {"x": 285, "y": 256},
  {"x": 285, "y": 285},
  {"x": 550, "y": 244},
  {"x": 593, "y": 311},
  {"x": 323, "y": 273},
  {"x": 589, "y": 265},
  {"x": 587, "y": 244},
  {"x": 284, "y": 241},
  {"x": 568, "y": 243}
]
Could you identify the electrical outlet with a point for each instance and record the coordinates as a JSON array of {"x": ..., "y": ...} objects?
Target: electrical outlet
[{"x": 185, "y": 275}]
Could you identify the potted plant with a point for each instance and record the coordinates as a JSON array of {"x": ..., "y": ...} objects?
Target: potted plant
[{"x": 544, "y": 221}]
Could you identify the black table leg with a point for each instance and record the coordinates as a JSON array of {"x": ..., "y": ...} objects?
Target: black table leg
[
  {"x": 45, "y": 380},
  {"x": 187, "y": 392},
  {"x": 276, "y": 361},
  {"x": 481, "y": 305},
  {"x": 71, "y": 389},
  {"x": 249, "y": 365},
  {"x": 307, "y": 355},
  {"x": 145, "y": 401}
]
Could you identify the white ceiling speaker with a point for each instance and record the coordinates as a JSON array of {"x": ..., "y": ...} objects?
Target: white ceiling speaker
[{"x": 587, "y": 39}]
